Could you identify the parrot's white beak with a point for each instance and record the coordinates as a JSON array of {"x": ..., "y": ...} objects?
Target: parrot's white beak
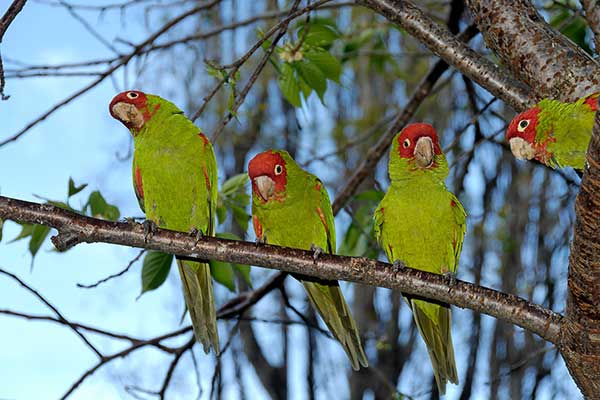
[
  {"x": 521, "y": 149},
  {"x": 265, "y": 186},
  {"x": 424, "y": 152},
  {"x": 128, "y": 114}
]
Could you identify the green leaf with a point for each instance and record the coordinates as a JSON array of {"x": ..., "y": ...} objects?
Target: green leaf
[
  {"x": 61, "y": 204},
  {"x": 328, "y": 64},
  {"x": 288, "y": 85},
  {"x": 38, "y": 235},
  {"x": 234, "y": 184},
  {"x": 223, "y": 273},
  {"x": 155, "y": 270},
  {"x": 244, "y": 271},
  {"x": 221, "y": 212},
  {"x": 321, "y": 33},
  {"x": 241, "y": 217},
  {"x": 26, "y": 230},
  {"x": 304, "y": 88},
  {"x": 73, "y": 189},
  {"x": 100, "y": 208},
  {"x": 313, "y": 77}
]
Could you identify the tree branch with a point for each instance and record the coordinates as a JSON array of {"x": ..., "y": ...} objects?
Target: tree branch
[
  {"x": 508, "y": 307},
  {"x": 8, "y": 17},
  {"x": 441, "y": 42},
  {"x": 580, "y": 339},
  {"x": 550, "y": 63},
  {"x": 592, "y": 15}
]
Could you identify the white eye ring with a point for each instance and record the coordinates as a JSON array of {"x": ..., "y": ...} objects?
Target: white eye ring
[
  {"x": 523, "y": 124},
  {"x": 132, "y": 95},
  {"x": 406, "y": 143},
  {"x": 278, "y": 169}
]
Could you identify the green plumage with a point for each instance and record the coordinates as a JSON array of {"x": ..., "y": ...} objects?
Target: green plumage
[
  {"x": 567, "y": 128},
  {"x": 423, "y": 224},
  {"x": 175, "y": 178},
  {"x": 303, "y": 218}
]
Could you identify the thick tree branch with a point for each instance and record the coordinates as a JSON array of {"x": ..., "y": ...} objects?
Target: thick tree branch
[
  {"x": 592, "y": 15},
  {"x": 5, "y": 21},
  {"x": 551, "y": 64},
  {"x": 456, "y": 53},
  {"x": 508, "y": 307},
  {"x": 581, "y": 329}
]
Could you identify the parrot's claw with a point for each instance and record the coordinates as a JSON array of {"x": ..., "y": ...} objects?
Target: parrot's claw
[
  {"x": 260, "y": 240},
  {"x": 450, "y": 277},
  {"x": 129, "y": 220},
  {"x": 317, "y": 251},
  {"x": 198, "y": 234},
  {"x": 397, "y": 266},
  {"x": 149, "y": 229}
]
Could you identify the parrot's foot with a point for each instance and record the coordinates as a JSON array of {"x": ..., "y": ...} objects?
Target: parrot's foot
[
  {"x": 450, "y": 277},
  {"x": 129, "y": 220},
  {"x": 198, "y": 234},
  {"x": 397, "y": 266},
  {"x": 317, "y": 251},
  {"x": 150, "y": 228},
  {"x": 260, "y": 240}
]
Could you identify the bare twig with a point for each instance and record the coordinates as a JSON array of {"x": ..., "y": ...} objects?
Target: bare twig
[
  {"x": 133, "y": 261},
  {"x": 55, "y": 310}
]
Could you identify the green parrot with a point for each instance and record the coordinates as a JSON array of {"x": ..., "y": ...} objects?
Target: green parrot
[
  {"x": 291, "y": 208},
  {"x": 175, "y": 181},
  {"x": 422, "y": 224},
  {"x": 554, "y": 133}
]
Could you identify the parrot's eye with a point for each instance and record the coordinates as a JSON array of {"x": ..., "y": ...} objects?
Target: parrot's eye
[
  {"x": 406, "y": 143},
  {"x": 132, "y": 95},
  {"x": 523, "y": 124},
  {"x": 278, "y": 169}
]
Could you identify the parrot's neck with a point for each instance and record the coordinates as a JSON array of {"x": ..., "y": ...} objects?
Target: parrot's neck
[{"x": 403, "y": 172}]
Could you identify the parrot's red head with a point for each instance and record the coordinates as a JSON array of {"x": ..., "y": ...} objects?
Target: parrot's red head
[
  {"x": 521, "y": 134},
  {"x": 268, "y": 175},
  {"x": 419, "y": 142},
  {"x": 131, "y": 108}
]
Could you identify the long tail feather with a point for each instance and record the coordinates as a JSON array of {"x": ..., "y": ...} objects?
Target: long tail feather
[
  {"x": 331, "y": 305},
  {"x": 438, "y": 339},
  {"x": 198, "y": 294}
]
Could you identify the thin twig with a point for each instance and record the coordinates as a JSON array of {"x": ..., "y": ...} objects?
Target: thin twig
[{"x": 124, "y": 270}]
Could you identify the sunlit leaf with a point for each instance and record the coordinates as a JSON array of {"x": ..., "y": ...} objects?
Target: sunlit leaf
[
  {"x": 155, "y": 270},
  {"x": 328, "y": 64},
  {"x": 38, "y": 235},
  {"x": 100, "y": 208},
  {"x": 234, "y": 183},
  {"x": 73, "y": 189},
  {"x": 26, "y": 230}
]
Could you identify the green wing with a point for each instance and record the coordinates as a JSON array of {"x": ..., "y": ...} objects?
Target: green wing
[
  {"x": 460, "y": 216},
  {"x": 325, "y": 211},
  {"x": 196, "y": 278}
]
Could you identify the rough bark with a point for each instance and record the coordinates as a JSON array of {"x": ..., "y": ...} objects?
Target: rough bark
[
  {"x": 75, "y": 228},
  {"x": 581, "y": 329},
  {"x": 459, "y": 55},
  {"x": 536, "y": 54},
  {"x": 592, "y": 14}
]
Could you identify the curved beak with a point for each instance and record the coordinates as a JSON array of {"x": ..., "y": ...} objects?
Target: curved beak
[
  {"x": 128, "y": 114},
  {"x": 521, "y": 149},
  {"x": 265, "y": 186},
  {"x": 424, "y": 152}
]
